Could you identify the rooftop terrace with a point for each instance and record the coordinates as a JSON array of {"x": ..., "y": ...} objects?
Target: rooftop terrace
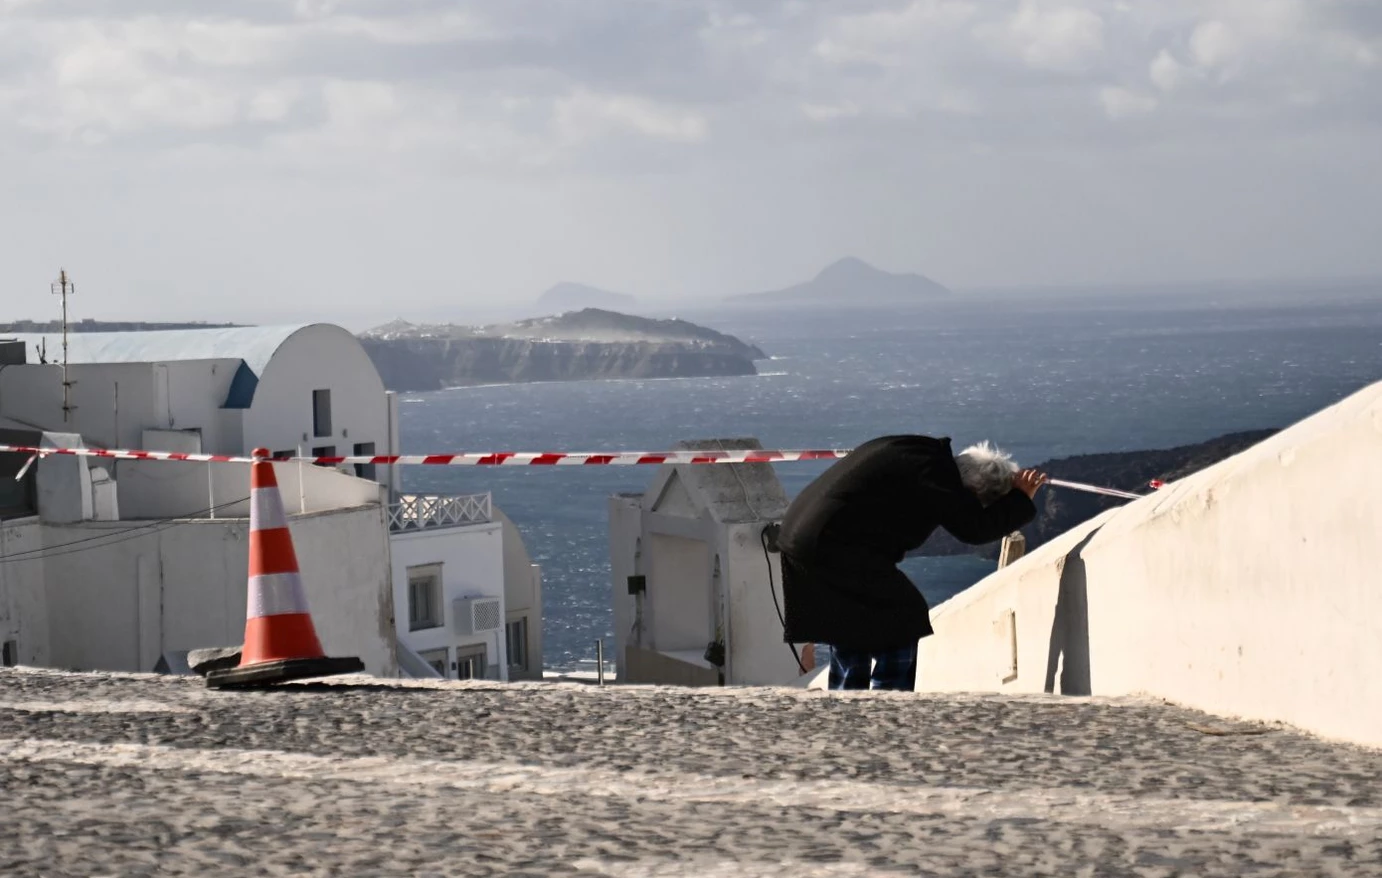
[
  {"x": 414, "y": 512},
  {"x": 110, "y": 774}
]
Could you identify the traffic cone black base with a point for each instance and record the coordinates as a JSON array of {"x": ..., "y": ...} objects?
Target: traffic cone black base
[{"x": 265, "y": 674}]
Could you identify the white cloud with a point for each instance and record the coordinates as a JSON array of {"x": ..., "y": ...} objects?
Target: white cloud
[
  {"x": 586, "y": 115},
  {"x": 361, "y": 105},
  {"x": 1214, "y": 45},
  {"x": 553, "y": 80},
  {"x": 273, "y": 103},
  {"x": 611, "y": 100},
  {"x": 1061, "y": 38},
  {"x": 891, "y": 36},
  {"x": 1122, "y": 103},
  {"x": 1166, "y": 72},
  {"x": 829, "y": 112}
]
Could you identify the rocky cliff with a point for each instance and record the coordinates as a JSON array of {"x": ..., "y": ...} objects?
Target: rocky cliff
[
  {"x": 1059, "y": 509},
  {"x": 585, "y": 344}
]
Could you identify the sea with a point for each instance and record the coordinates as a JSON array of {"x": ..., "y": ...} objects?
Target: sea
[{"x": 1042, "y": 374}]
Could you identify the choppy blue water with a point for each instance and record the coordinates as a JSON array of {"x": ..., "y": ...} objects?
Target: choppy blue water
[{"x": 1043, "y": 378}]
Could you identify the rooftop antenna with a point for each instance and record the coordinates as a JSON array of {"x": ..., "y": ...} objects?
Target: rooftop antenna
[{"x": 64, "y": 287}]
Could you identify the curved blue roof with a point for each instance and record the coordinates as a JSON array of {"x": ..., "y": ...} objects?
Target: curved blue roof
[{"x": 253, "y": 345}]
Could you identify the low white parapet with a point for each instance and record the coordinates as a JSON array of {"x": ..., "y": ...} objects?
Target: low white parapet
[
  {"x": 1251, "y": 589},
  {"x": 422, "y": 511}
]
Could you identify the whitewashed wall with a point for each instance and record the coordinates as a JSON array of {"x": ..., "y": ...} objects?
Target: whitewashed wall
[
  {"x": 472, "y": 562},
  {"x": 23, "y": 606},
  {"x": 64, "y": 483},
  {"x": 162, "y": 489},
  {"x": 625, "y": 528},
  {"x": 522, "y": 590},
  {"x": 120, "y": 607},
  {"x": 196, "y": 391},
  {"x": 1251, "y": 589},
  {"x": 678, "y": 611},
  {"x": 759, "y": 656},
  {"x": 115, "y": 403},
  {"x": 678, "y": 555},
  {"x": 33, "y": 394},
  {"x": 346, "y": 569},
  {"x": 318, "y": 357}
]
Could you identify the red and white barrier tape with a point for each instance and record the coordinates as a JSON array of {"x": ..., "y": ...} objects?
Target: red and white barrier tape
[
  {"x": 1095, "y": 489},
  {"x": 122, "y": 454},
  {"x": 502, "y": 458},
  {"x": 515, "y": 458}
]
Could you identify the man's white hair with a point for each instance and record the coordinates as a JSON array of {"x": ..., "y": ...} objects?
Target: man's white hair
[{"x": 986, "y": 470}]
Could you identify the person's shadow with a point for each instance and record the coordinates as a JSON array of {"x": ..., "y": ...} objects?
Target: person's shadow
[{"x": 1070, "y": 630}]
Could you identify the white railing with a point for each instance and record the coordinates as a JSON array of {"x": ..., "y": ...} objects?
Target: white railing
[{"x": 421, "y": 511}]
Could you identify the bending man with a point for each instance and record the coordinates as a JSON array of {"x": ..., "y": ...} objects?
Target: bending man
[{"x": 845, "y": 533}]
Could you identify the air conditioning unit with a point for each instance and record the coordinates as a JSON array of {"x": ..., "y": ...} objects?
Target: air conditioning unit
[{"x": 477, "y": 615}]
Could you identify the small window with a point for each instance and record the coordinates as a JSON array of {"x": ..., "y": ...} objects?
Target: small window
[
  {"x": 516, "y": 639},
  {"x": 321, "y": 413},
  {"x": 324, "y": 451},
  {"x": 424, "y": 597},
  {"x": 436, "y": 658},
  {"x": 364, "y": 470},
  {"x": 470, "y": 662},
  {"x": 284, "y": 454}
]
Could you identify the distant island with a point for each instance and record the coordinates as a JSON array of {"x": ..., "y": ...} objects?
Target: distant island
[
  {"x": 576, "y": 345},
  {"x": 567, "y": 296},
  {"x": 850, "y": 281},
  {"x": 1059, "y": 510}
]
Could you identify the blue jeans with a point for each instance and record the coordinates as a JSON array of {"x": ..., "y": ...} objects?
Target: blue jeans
[{"x": 885, "y": 669}]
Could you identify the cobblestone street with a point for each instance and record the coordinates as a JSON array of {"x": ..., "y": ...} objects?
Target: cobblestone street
[{"x": 131, "y": 775}]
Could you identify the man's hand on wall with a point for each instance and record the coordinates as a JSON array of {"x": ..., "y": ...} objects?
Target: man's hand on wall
[{"x": 1028, "y": 481}]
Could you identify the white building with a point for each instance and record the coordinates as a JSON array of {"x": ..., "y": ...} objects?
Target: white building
[
  {"x": 473, "y": 596},
  {"x": 296, "y": 390},
  {"x": 90, "y": 579},
  {"x": 307, "y": 389},
  {"x": 690, "y": 571}
]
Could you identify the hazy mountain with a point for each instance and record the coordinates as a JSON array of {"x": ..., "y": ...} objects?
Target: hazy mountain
[
  {"x": 567, "y": 296},
  {"x": 851, "y": 281}
]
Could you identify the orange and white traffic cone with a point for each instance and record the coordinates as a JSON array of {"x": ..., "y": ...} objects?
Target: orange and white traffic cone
[{"x": 280, "y": 640}]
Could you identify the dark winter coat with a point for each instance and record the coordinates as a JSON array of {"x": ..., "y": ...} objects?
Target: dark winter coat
[{"x": 844, "y": 534}]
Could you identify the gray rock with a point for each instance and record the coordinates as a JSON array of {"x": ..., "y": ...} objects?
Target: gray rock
[
  {"x": 215, "y": 658},
  {"x": 174, "y": 662}
]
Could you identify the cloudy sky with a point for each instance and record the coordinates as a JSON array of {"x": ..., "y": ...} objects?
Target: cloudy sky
[{"x": 266, "y": 159}]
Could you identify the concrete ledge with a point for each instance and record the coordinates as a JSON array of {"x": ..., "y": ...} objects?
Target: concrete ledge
[
  {"x": 1249, "y": 589},
  {"x": 650, "y": 666}
]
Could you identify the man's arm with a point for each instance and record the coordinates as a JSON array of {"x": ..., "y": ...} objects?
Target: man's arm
[{"x": 971, "y": 522}]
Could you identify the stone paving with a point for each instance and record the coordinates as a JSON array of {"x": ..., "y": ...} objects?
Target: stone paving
[{"x": 140, "y": 775}]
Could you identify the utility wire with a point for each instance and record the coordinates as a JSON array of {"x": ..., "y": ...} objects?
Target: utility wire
[
  {"x": 113, "y": 538},
  {"x": 763, "y": 538}
]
